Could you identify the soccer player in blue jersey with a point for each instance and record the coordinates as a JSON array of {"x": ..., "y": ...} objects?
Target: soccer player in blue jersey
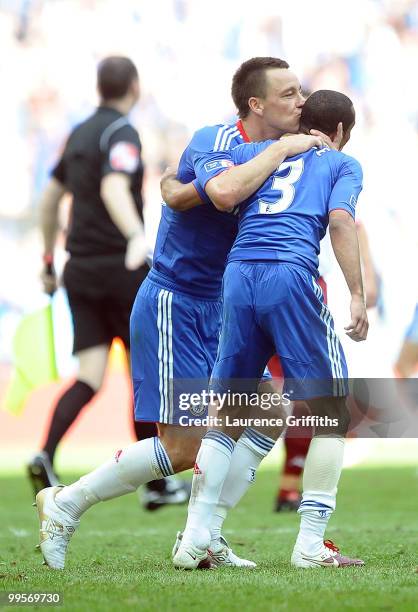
[
  {"x": 272, "y": 303},
  {"x": 176, "y": 318}
]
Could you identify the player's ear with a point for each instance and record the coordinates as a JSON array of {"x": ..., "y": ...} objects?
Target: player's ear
[
  {"x": 256, "y": 106},
  {"x": 135, "y": 89}
]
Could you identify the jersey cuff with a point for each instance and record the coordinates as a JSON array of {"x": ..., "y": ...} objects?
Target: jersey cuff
[
  {"x": 202, "y": 193},
  {"x": 346, "y": 209},
  {"x": 209, "y": 178}
]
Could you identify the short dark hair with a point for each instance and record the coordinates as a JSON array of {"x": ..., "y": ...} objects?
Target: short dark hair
[
  {"x": 250, "y": 81},
  {"x": 114, "y": 77},
  {"x": 324, "y": 110}
]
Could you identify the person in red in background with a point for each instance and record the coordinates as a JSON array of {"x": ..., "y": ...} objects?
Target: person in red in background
[{"x": 298, "y": 439}]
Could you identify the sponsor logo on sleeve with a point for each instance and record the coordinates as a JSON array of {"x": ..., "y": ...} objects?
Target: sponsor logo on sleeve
[
  {"x": 124, "y": 157},
  {"x": 220, "y": 163}
]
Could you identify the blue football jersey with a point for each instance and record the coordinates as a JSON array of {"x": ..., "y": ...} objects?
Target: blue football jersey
[
  {"x": 287, "y": 217},
  {"x": 192, "y": 246}
]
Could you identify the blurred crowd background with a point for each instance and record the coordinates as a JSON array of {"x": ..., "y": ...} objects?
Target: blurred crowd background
[{"x": 186, "y": 52}]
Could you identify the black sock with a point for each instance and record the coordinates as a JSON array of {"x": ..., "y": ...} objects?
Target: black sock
[
  {"x": 142, "y": 432},
  {"x": 66, "y": 411}
]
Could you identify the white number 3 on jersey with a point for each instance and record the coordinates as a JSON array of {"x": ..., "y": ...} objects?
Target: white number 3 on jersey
[{"x": 285, "y": 185}]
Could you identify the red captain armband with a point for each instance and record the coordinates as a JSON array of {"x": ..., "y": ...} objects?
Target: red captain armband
[{"x": 48, "y": 259}]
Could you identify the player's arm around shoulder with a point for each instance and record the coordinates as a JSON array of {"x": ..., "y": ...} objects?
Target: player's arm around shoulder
[{"x": 230, "y": 177}]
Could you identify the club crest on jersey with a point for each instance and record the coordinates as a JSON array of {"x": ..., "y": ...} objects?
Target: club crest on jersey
[
  {"x": 198, "y": 410},
  {"x": 219, "y": 163},
  {"x": 124, "y": 157}
]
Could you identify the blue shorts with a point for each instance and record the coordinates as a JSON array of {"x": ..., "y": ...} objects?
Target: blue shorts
[
  {"x": 174, "y": 341},
  {"x": 268, "y": 308}
]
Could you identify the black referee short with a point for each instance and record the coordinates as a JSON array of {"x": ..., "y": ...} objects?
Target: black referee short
[{"x": 101, "y": 293}]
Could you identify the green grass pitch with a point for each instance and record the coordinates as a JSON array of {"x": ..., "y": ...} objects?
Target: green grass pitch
[{"x": 120, "y": 557}]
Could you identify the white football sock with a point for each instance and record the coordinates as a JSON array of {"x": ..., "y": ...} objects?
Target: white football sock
[
  {"x": 211, "y": 468},
  {"x": 249, "y": 451},
  {"x": 131, "y": 467},
  {"x": 320, "y": 479}
]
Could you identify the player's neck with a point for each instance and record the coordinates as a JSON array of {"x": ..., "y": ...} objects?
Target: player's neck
[
  {"x": 122, "y": 105},
  {"x": 257, "y": 131}
]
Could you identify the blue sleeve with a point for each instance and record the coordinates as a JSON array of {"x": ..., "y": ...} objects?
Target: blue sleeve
[
  {"x": 209, "y": 165},
  {"x": 202, "y": 142},
  {"x": 202, "y": 193},
  {"x": 347, "y": 187}
]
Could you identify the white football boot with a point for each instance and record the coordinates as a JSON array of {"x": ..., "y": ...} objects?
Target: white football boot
[
  {"x": 328, "y": 557},
  {"x": 55, "y": 528},
  {"x": 188, "y": 555},
  {"x": 221, "y": 556}
]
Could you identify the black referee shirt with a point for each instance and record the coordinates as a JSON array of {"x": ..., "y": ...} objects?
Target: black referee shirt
[{"x": 104, "y": 143}]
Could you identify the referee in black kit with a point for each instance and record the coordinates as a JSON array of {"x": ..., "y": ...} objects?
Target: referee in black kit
[{"x": 101, "y": 167}]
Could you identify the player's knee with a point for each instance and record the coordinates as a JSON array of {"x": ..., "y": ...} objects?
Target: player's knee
[
  {"x": 92, "y": 365},
  {"x": 271, "y": 431},
  {"x": 183, "y": 456},
  {"x": 269, "y": 415},
  {"x": 344, "y": 419},
  {"x": 181, "y": 446},
  {"x": 91, "y": 376},
  {"x": 333, "y": 416},
  {"x": 270, "y": 423}
]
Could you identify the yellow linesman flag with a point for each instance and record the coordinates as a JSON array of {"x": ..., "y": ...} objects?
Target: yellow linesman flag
[{"x": 33, "y": 356}]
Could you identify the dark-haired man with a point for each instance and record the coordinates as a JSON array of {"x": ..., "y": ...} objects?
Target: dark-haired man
[
  {"x": 101, "y": 167},
  {"x": 272, "y": 303},
  {"x": 268, "y": 99},
  {"x": 176, "y": 318}
]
